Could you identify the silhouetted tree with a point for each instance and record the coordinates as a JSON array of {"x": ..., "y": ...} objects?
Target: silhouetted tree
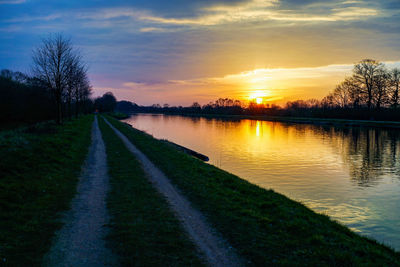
[
  {"x": 23, "y": 99},
  {"x": 354, "y": 92},
  {"x": 381, "y": 82},
  {"x": 126, "y": 106},
  {"x": 341, "y": 95},
  {"x": 371, "y": 85},
  {"x": 394, "y": 87},
  {"x": 56, "y": 63},
  {"x": 106, "y": 103},
  {"x": 365, "y": 74}
]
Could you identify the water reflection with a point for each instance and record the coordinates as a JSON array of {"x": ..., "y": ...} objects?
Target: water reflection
[
  {"x": 370, "y": 153},
  {"x": 351, "y": 174},
  {"x": 258, "y": 123}
]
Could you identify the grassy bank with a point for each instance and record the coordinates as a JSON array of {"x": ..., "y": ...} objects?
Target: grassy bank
[
  {"x": 144, "y": 231},
  {"x": 118, "y": 115},
  {"x": 265, "y": 227},
  {"x": 39, "y": 169}
]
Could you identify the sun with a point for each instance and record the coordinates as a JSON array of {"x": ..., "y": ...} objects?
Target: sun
[{"x": 258, "y": 96}]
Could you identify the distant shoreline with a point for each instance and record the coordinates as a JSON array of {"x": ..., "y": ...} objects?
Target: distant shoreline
[{"x": 303, "y": 120}]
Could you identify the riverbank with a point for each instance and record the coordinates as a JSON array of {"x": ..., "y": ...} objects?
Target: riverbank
[
  {"x": 143, "y": 229},
  {"x": 39, "y": 170},
  {"x": 265, "y": 227},
  {"x": 316, "y": 121}
]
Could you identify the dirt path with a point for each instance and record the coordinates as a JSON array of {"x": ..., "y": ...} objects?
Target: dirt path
[
  {"x": 80, "y": 242},
  {"x": 217, "y": 252}
]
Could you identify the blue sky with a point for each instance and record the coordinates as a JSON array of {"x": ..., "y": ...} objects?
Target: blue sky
[{"x": 182, "y": 51}]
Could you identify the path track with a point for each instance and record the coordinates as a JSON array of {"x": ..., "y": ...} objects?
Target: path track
[
  {"x": 217, "y": 252},
  {"x": 80, "y": 242}
]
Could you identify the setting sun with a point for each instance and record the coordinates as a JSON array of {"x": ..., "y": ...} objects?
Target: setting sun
[{"x": 258, "y": 96}]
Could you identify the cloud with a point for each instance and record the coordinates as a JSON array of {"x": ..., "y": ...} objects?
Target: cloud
[
  {"x": 134, "y": 85},
  {"x": 12, "y": 2},
  {"x": 354, "y": 12},
  {"x": 24, "y": 19},
  {"x": 263, "y": 78},
  {"x": 12, "y": 28},
  {"x": 258, "y": 10},
  {"x": 152, "y": 29},
  {"x": 220, "y": 13}
]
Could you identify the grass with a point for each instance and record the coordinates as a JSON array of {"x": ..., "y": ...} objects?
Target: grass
[
  {"x": 118, "y": 115},
  {"x": 265, "y": 227},
  {"x": 39, "y": 170},
  {"x": 144, "y": 231},
  {"x": 6, "y": 126}
]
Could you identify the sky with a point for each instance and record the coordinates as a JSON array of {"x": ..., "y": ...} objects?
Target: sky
[{"x": 180, "y": 51}]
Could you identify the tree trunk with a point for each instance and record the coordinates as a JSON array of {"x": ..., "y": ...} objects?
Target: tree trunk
[{"x": 59, "y": 107}]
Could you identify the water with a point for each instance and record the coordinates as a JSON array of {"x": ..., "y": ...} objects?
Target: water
[{"x": 350, "y": 174}]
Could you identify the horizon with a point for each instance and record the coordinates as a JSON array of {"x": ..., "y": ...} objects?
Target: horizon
[{"x": 152, "y": 52}]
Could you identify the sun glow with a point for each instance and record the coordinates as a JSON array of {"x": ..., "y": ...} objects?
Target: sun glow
[{"x": 258, "y": 96}]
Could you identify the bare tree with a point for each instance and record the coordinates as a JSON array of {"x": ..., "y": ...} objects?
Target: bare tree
[
  {"x": 53, "y": 64},
  {"x": 365, "y": 74},
  {"x": 195, "y": 105},
  {"x": 82, "y": 91},
  {"x": 341, "y": 95},
  {"x": 372, "y": 84},
  {"x": 394, "y": 87},
  {"x": 313, "y": 103},
  {"x": 354, "y": 91},
  {"x": 72, "y": 82},
  {"x": 237, "y": 103},
  {"x": 78, "y": 87},
  {"x": 380, "y": 87}
]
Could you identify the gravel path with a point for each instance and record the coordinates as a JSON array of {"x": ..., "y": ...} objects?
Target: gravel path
[
  {"x": 217, "y": 252},
  {"x": 80, "y": 242}
]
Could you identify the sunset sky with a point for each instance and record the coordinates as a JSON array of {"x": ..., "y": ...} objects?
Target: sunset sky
[{"x": 181, "y": 51}]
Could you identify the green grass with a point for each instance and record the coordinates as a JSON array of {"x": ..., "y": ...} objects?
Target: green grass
[
  {"x": 118, "y": 115},
  {"x": 39, "y": 170},
  {"x": 144, "y": 231},
  {"x": 265, "y": 227}
]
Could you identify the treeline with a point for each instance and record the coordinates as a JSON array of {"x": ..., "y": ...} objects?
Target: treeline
[
  {"x": 301, "y": 108},
  {"x": 23, "y": 99},
  {"x": 58, "y": 88},
  {"x": 371, "y": 93},
  {"x": 372, "y": 85},
  {"x": 26, "y": 99},
  {"x": 221, "y": 106},
  {"x": 224, "y": 106}
]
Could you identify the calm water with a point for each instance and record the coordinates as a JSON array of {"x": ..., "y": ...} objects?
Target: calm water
[{"x": 351, "y": 174}]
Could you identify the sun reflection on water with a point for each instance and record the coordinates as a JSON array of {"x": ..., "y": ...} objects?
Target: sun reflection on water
[{"x": 258, "y": 128}]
